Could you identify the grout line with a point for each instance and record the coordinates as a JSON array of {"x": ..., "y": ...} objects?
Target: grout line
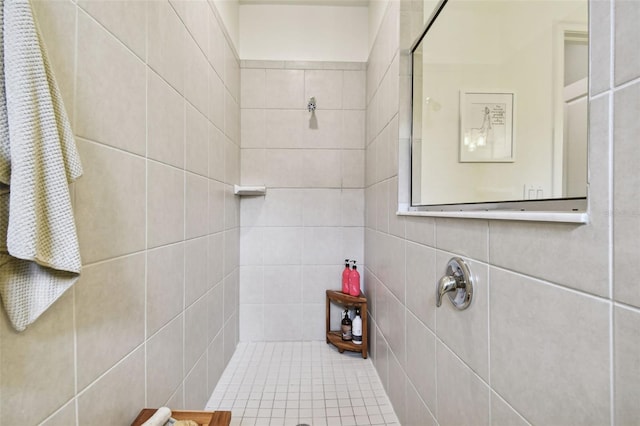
[
  {"x": 74, "y": 119},
  {"x": 631, "y": 308},
  {"x": 146, "y": 237},
  {"x": 108, "y": 31},
  {"x": 611, "y": 222},
  {"x": 612, "y": 43}
]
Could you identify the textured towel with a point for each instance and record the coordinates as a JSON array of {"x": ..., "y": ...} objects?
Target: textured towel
[{"x": 38, "y": 160}]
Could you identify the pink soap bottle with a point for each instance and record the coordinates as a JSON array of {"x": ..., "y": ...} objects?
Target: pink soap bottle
[
  {"x": 345, "y": 277},
  {"x": 354, "y": 281}
]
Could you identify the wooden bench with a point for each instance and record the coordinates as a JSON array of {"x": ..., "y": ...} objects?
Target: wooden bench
[{"x": 203, "y": 418}]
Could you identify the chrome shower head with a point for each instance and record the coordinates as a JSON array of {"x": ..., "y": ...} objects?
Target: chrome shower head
[{"x": 311, "y": 105}]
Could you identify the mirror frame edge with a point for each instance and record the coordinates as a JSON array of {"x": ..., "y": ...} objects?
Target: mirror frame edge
[{"x": 567, "y": 210}]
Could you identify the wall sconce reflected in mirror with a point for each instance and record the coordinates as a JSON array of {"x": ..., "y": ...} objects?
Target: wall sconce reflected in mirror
[{"x": 475, "y": 137}]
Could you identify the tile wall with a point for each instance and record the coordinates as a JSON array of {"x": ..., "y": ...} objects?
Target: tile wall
[
  {"x": 153, "y": 92},
  {"x": 552, "y": 336},
  {"x": 294, "y": 240}
]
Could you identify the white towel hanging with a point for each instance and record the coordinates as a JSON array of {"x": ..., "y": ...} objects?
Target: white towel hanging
[{"x": 38, "y": 160}]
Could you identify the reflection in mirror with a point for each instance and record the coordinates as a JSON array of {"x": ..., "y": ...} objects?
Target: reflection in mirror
[{"x": 500, "y": 104}]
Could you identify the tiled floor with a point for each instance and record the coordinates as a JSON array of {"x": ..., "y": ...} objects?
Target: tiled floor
[{"x": 293, "y": 383}]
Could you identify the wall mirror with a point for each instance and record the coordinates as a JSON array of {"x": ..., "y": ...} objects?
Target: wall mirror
[{"x": 500, "y": 106}]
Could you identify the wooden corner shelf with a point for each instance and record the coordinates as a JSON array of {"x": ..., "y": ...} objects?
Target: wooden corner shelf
[
  {"x": 204, "y": 418},
  {"x": 335, "y": 336}
]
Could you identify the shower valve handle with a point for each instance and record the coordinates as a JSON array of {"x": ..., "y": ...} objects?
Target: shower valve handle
[{"x": 457, "y": 284}]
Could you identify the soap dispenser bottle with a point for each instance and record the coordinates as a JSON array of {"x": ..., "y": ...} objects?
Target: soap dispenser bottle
[
  {"x": 356, "y": 328},
  {"x": 345, "y": 277},
  {"x": 354, "y": 281},
  {"x": 346, "y": 326}
]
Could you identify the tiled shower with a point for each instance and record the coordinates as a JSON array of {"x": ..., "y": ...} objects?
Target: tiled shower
[
  {"x": 292, "y": 241},
  {"x": 177, "y": 269}
]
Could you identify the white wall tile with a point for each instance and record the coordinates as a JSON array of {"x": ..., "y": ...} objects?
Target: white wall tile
[
  {"x": 216, "y": 206},
  {"x": 353, "y": 246},
  {"x": 282, "y": 284},
  {"x": 253, "y": 88},
  {"x": 196, "y": 269},
  {"x": 217, "y": 144},
  {"x": 627, "y": 58},
  {"x": 110, "y": 91},
  {"x": 466, "y": 332},
  {"x": 600, "y": 46},
  {"x": 196, "y": 206},
  {"x": 392, "y": 264},
  {"x": 253, "y": 128},
  {"x": 417, "y": 411},
  {"x": 166, "y": 43},
  {"x": 215, "y": 304},
  {"x": 284, "y": 128},
  {"x": 323, "y": 129},
  {"x": 282, "y": 246},
  {"x": 285, "y": 89},
  {"x": 110, "y": 219},
  {"x": 325, "y": 86},
  {"x": 421, "y": 360},
  {"x": 196, "y": 76},
  {"x": 165, "y": 285},
  {"x": 397, "y": 388},
  {"x": 216, "y": 364},
  {"x": 195, "y": 385},
  {"x": 216, "y": 99},
  {"x": 283, "y": 322},
  {"x": 252, "y": 322},
  {"x": 625, "y": 193},
  {"x": 322, "y": 246},
  {"x": 321, "y": 207},
  {"x": 165, "y": 204},
  {"x": 468, "y": 404},
  {"x": 537, "y": 348},
  {"x": 504, "y": 415},
  {"x": 65, "y": 416},
  {"x": 251, "y": 285},
  {"x": 165, "y": 109},
  {"x": 422, "y": 276},
  {"x": 626, "y": 361},
  {"x": 313, "y": 323},
  {"x": 316, "y": 279},
  {"x": 231, "y": 118},
  {"x": 353, "y": 168},
  {"x": 382, "y": 207},
  {"x": 216, "y": 45},
  {"x": 549, "y": 247},
  {"x": 253, "y": 167},
  {"x": 195, "y": 336},
  {"x": 110, "y": 301},
  {"x": 118, "y": 395},
  {"x": 43, "y": 354},
  {"x": 354, "y": 129},
  {"x": 251, "y": 246},
  {"x": 197, "y": 141},
  {"x": 165, "y": 362},
  {"x": 352, "y": 207},
  {"x": 354, "y": 86},
  {"x": 381, "y": 360}
]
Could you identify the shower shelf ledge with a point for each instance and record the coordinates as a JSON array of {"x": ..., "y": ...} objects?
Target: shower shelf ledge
[{"x": 249, "y": 190}]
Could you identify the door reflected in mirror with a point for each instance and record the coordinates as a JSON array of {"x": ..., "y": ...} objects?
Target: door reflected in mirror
[{"x": 500, "y": 103}]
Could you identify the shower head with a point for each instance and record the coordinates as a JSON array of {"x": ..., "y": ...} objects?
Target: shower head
[{"x": 311, "y": 105}]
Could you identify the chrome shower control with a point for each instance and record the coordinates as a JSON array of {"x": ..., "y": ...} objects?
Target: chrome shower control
[{"x": 456, "y": 283}]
